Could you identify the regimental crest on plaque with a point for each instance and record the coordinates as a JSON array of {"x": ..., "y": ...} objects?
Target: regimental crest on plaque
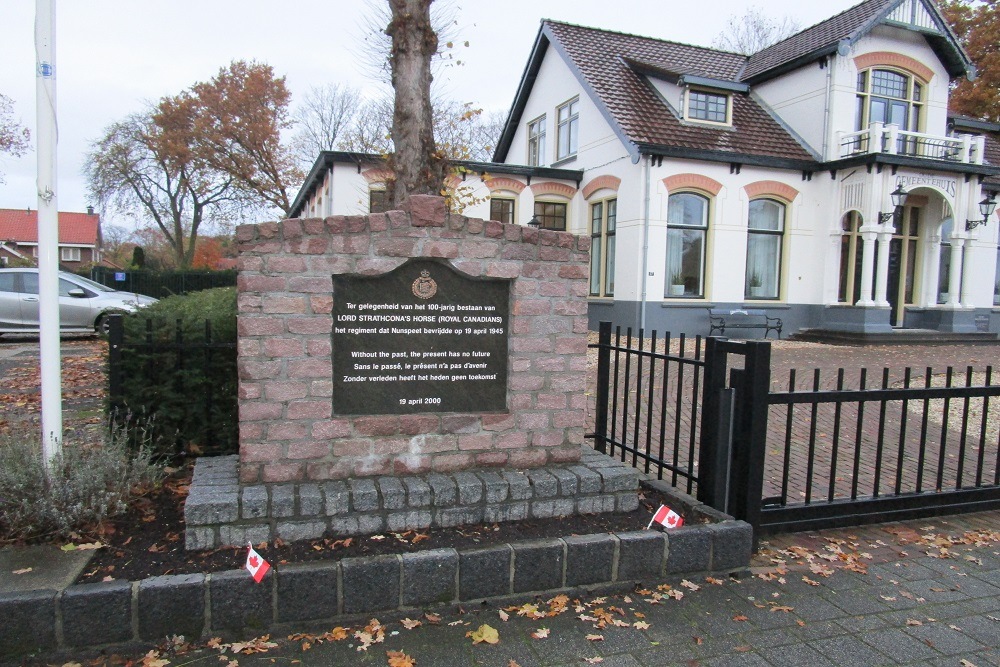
[{"x": 424, "y": 287}]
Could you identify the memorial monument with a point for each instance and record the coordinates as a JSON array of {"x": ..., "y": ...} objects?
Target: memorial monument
[{"x": 405, "y": 370}]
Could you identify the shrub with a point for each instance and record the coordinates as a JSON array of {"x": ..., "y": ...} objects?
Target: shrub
[
  {"x": 178, "y": 376},
  {"x": 88, "y": 484}
]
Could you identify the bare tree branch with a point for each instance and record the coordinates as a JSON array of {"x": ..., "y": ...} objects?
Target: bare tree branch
[
  {"x": 754, "y": 31},
  {"x": 322, "y": 119}
]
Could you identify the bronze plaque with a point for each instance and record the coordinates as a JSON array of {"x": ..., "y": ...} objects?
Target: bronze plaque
[{"x": 422, "y": 338}]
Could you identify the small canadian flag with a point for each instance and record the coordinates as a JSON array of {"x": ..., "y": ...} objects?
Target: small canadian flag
[
  {"x": 667, "y": 518},
  {"x": 256, "y": 566}
]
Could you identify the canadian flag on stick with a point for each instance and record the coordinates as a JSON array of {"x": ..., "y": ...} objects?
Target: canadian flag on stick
[
  {"x": 256, "y": 566},
  {"x": 667, "y": 518}
]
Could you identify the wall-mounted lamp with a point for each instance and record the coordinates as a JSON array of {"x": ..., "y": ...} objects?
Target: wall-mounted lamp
[
  {"x": 986, "y": 208},
  {"x": 534, "y": 222},
  {"x": 898, "y": 201}
]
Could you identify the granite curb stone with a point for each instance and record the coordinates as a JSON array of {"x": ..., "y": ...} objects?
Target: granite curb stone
[
  {"x": 171, "y": 605},
  {"x": 640, "y": 555},
  {"x": 589, "y": 559},
  {"x": 538, "y": 565},
  {"x": 485, "y": 572},
  {"x": 239, "y": 604},
  {"x": 370, "y": 584},
  {"x": 106, "y": 613},
  {"x": 429, "y": 577},
  {"x": 98, "y": 613},
  {"x": 307, "y": 592},
  {"x": 29, "y": 622},
  {"x": 732, "y": 545}
]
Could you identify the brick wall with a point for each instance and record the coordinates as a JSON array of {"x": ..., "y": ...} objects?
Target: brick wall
[{"x": 287, "y": 431}]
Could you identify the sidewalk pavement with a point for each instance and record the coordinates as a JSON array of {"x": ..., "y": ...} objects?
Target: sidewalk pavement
[{"x": 923, "y": 592}]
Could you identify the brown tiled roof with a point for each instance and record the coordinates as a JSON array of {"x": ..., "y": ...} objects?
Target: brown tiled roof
[
  {"x": 602, "y": 59},
  {"x": 822, "y": 35}
]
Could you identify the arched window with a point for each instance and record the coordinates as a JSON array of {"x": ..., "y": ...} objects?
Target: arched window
[
  {"x": 890, "y": 97},
  {"x": 850, "y": 258},
  {"x": 603, "y": 224},
  {"x": 765, "y": 231},
  {"x": 687, "y": 229}
]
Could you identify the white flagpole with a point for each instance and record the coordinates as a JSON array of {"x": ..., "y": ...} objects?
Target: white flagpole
[{"x": 48, "y": 229}]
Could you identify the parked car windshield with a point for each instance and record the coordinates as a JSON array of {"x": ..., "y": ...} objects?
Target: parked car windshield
[{"x": 93, "y": 285}]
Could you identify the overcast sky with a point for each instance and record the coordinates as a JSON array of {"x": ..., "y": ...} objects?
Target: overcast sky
[{"x": 114, "y": 55}]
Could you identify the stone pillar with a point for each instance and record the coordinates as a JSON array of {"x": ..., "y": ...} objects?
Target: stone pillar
[
  {"x": 882, "y": 271},
  {"x": 967, "y": 279},
  {"x": 955, "y": 276},
  {"x": 868, "y": 237}
]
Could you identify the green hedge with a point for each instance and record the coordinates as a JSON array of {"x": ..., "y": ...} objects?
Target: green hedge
[{"x": 181, "y": 374}]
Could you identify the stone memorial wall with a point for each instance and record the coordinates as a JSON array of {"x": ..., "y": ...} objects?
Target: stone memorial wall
[{"x": 408, "y": 342}]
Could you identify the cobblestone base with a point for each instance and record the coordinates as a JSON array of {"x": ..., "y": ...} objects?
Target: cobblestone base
[{"x": 221, "y": 512}]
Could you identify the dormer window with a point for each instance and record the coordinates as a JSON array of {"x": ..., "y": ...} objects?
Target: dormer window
[{"x": 708, "y": 107}]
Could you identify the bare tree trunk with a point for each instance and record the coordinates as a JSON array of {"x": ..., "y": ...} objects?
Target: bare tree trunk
[{"x": 418, "y": 167}]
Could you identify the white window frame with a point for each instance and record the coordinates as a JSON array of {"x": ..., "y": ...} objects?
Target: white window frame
[
  {"x": 567, "y": 128},
  {"x": 69, "y": 254},
  {"x": 536, "y": 142}
]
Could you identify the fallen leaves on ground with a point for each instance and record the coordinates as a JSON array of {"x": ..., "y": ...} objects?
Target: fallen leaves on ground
[
  {"x": 400, "y": 659},
  {"x": 410, "y": 623},
  {"x": 373, "y": 633},
  {"x": 541, "y": 633},
  {"x": 485, "y": 633},
  {"x": 153, "y": 659}
]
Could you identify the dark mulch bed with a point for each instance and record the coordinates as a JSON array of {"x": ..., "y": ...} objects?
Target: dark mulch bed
[{"x": 149, "y": 540}]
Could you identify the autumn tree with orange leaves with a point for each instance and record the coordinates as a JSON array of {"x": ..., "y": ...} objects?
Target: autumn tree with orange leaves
[
  {"x": 211, "y": 153},
  {"x": 977, "y": 26}
]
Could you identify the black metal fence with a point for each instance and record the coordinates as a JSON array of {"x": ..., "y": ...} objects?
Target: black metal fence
[
  {"x": 915, "y": 446},
  {"x": 647, "y": 398},
  {"x": 705, "y": 417},
  {"x": 160, "y": 284},
  {"x": 184, "y": 381}
]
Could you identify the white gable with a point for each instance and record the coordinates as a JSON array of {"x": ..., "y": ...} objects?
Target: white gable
[{"x": 914, "y": 13}]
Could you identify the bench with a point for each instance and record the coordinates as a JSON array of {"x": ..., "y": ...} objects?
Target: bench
[{"x": 721, "y": 319}]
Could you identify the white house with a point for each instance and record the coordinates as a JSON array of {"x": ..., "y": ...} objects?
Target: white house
[{"x": 711, "y": 179}]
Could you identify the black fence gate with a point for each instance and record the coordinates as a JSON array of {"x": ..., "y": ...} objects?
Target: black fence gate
[{"x": 910, "y": 444}]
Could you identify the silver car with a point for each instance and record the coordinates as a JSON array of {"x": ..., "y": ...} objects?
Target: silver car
[{"x": 83, "y": 304}]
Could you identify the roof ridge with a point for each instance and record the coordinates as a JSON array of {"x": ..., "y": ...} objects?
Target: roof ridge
[
  {"x": 655, "y": 39},
  {"x": 829, "y": 19}
]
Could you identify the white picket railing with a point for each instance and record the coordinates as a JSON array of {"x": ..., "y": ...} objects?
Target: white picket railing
[{"x": 889, "y": 139}]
